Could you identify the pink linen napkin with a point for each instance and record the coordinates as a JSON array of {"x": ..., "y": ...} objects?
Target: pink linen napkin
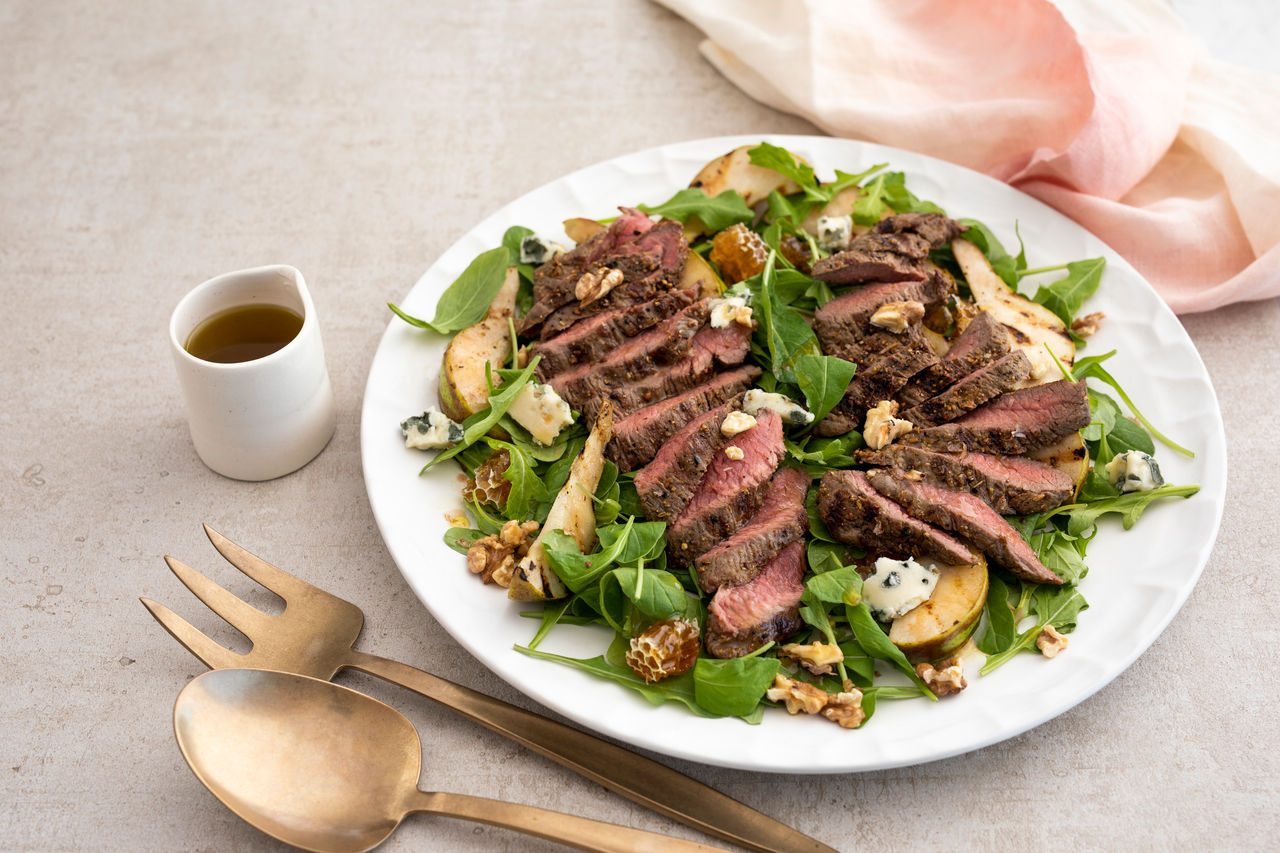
[{"x": 1108, "y": 110}]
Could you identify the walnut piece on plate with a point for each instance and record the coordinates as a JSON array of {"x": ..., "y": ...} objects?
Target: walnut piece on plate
[{"x": 494, "y": 557}]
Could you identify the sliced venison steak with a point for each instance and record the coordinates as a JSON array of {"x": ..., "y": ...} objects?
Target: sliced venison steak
[
  {"x": 895, "y": 249},
  {"x": 727, "y": 347},
  {"x": 984, "y": 384},
  {"x": 741, "y": 619},
  {"x": 857, "y": 514},
  {"x": 1010, "y": 485},
  {"x": 781, "y": 520},
  {"x": 983, "y": 341},
  {"x": 844, "y": 321},
  {"x": 969, "y": 518},
  {"x": 651, "y": 264},
  {"x": 636, "y": 358},
  {"x": 669, "y": 482},
  {"x": 555, "y": 281},
  {"x": 879, "y": 258},
  {"x": 596, "y": 337},
  {"x": 936, "y": 229},
  {"x": 638, "y": 437},
  {"x": 731, "y": 491},
  {"x": 1014, "y": 423},
  {"x": 878, "y": 379}
]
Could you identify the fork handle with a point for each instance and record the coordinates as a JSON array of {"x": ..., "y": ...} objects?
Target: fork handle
[
  {"x": 635, "y": 777},
  {"x": 579, "y": 832}
]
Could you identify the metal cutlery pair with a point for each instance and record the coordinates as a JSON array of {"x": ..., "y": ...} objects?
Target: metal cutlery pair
[{"x": 315, "y": 634}]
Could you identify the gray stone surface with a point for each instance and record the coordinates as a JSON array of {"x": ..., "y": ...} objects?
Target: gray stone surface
[{"x": 147, "y": 146}]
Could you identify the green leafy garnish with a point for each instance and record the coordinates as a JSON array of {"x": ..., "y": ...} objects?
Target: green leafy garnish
[
  {"x": 1058, "y": 606},
  {"x": 716, "y": 214},
  {"x": 1091, "y": 367},
  {"x": 823, "y": 380},
  {"x": 733, "y": 688},
  {"x": 466, "y": 301},
  {"x": 1065, "y": 296}
]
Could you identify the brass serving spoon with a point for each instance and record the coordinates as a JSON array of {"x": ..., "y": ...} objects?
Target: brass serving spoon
[{"x": 325, "y": 768}]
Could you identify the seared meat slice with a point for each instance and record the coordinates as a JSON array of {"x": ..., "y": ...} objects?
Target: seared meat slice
[
  {"x": 727, "y": 346},
  {"x": 843, "y": 323},
  {"x": 1010, "y": 485},
  {"x": 984, "y": 384},
  {"x": 878, "y": 379},
  {"x": 895, "y": 249},
  {"x": 741, "y": 619},
  {"x": 669, "y": 482},
  {"x": 857, "y": 514},
  {"x": 730, "y": 493},
  {"x": 936, "y": 229},
  {"x": 554, "y": 281},
  {"x": 1013, "y": 423},
  {"x": 983, "y": 341},
  {"x": 596, "y": 337},
  {"x": 651, "y": 264},
  {"x": 781, "y": 520},
  {"x": 969, "y": 518},
  {"x": 638, "y": 437},
  {"x": 638, "y": 357},
  {"x": 876, "y": 257}
]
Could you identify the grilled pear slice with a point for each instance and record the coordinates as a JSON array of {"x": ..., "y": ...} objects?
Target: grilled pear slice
[
  {"x": 735, "y": 171},
  {"x": 1032, "y": 326},
  {"x": 580, "y": 229},
  {"x": 572, "y": 512},
  {"x": 940, "y": 626},
  {"x": 463, "y": 391},
  {"x": 1070, "y": 455}
]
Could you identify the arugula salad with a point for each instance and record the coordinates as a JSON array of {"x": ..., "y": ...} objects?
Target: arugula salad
[{"x": 559, "y": 526}]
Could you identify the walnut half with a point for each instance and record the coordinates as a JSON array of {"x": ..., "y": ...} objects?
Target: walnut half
[
  {"x": 844, "y": 709},
  {"x": 494, "y": 557},
  {"x": 596, "y": 283},
  {"x": 798, "y": 696},
  {"x": 897, "y": 317},
  {"x": 815, "y": 657},
  {"x": 1050, "y": 642},
  {"x": 882, "y": 427},
  {"x": 945, "y": 679}
]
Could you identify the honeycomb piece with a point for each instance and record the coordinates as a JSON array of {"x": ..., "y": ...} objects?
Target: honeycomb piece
[
  {"x": 739, "y": 253},
  {"x": 488, "y": 485},
  {"x": 664, "y": 649}
]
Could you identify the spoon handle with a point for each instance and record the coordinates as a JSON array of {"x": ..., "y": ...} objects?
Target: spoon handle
[
  {"x": 634, "y": 776},
  {"x": 580, "y": 832}
]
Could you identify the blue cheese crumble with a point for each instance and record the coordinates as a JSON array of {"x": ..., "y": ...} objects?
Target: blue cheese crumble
[
  {"x": 540, "y": 410},
  {"x": 834, "y": 233},
  {"x": 538, "y": 250},
  {"x": 897, "y": 587},
  {"x": 731, "y": 309},
  {"x": 431, "y": 430},
  {"x": 789, "y": 410},
  {"x": 1134, "y": 471}
]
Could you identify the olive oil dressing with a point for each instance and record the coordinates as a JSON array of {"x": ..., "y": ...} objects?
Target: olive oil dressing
[{"x": 243, "y": 333}]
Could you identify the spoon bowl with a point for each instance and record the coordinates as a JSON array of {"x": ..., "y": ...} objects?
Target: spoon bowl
[{"x": 328, "y": 769}]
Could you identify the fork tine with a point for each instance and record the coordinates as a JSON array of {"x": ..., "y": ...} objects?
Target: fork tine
[
  {"x": 242, "y": 616},
  {"x": 192, "y": 638},
  {"x": 277, "y": 580}
]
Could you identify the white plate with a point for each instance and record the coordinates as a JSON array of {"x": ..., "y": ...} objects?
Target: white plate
[{"x": 1137, "y": 582}]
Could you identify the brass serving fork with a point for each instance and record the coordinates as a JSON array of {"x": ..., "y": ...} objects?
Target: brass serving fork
[{"x": 315, "y": 635}]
